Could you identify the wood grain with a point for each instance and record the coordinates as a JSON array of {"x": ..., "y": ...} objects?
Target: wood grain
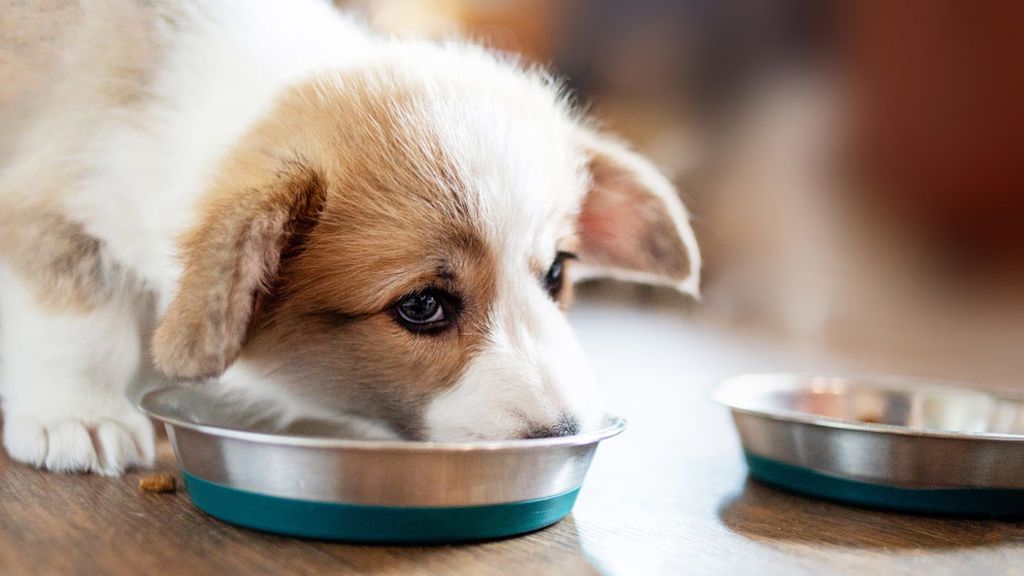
[{"x": 669, "y": 496}]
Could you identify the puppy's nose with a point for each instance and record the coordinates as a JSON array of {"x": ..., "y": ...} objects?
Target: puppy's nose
[{"x": 566, "y": 425}]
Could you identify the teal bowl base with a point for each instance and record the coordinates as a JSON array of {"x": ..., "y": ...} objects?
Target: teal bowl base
[
  {"x": 376, "y": 524},
  {"x": 963, "y": 502}
]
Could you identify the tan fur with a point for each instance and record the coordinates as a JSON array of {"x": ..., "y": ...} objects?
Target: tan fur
[
  {"x": 327, "y": 211},
  {"x": 365, "y": 358},
  {"x": 69, "y": 48},
  {"x": 63, "y": 263},
  {"x": 334, "y": 207},
  {"x": 227, "y": 261},
  {"x": 281, "y": 179}
]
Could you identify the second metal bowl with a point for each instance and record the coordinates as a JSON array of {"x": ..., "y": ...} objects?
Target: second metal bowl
[
  {"x": 883, "y": 441},
  {"x": 372, "y": 491}
]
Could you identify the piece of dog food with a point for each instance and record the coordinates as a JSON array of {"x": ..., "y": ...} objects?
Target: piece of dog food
[{"x": 158, "y": 483}]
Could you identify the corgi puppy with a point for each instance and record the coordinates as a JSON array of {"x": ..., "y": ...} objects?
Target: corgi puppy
[{"x": 351, "y": 227}]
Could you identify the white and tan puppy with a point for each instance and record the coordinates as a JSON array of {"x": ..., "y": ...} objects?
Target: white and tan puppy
[{"x": 355, "y": 228}]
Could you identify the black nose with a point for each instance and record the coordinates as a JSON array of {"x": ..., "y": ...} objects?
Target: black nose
[{"x": 565, "y": 426}]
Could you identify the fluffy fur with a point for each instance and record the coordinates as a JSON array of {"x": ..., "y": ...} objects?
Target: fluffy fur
[{"x": 278, "y": 178}]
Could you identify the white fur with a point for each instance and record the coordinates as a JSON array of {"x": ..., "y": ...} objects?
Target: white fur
[
  {"x": 261, "y": 401},
  {"x": 132, "y": 175},
  {"x": 64, "y": 376},
  {"x": 224, "y": 67},
  {"x": 530, "y": 372}
]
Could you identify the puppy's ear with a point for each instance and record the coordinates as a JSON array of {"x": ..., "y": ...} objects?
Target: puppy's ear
[
  {"x": 632, "y": 224},
  {"x": 230, "y": 258}
]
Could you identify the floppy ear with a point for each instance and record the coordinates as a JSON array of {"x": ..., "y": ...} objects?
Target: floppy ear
[
  {"x": 230, "y": 258},
  {"x": 632, "y": 224}
]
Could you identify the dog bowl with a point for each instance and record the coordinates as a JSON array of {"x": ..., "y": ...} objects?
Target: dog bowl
[
  {"x": 367, "y": 490},
  {"x": 886, "y": 442}
]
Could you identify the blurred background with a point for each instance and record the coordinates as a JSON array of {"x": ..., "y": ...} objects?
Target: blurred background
[{"x": 855, "y": 169}]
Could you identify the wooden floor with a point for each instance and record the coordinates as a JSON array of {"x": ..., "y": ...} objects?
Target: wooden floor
[{"x": 670, "y": 496}]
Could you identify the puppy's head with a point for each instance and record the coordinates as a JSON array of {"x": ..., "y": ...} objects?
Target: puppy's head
[{"x": 398, "y": 242}]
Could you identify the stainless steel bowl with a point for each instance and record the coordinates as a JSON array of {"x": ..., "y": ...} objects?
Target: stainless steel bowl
[
  {"x": 885, "y": 441},
  {"x": 364, "y": 490}
]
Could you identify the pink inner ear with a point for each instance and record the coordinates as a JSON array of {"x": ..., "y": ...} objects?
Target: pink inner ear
[
  {"x": 625, "y": 227},
  {"x": 631, "y": 223},
  {"x": 609, "y": 228}
]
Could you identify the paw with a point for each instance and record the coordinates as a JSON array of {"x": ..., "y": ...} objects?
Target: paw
[{"x": 106, "y": 445}]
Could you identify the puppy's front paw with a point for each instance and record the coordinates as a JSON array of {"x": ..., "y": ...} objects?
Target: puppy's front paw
[{"x": 106, "y": 445}]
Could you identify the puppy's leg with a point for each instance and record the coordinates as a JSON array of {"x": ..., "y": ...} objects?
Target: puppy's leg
[{"x": 68, "y": 348}]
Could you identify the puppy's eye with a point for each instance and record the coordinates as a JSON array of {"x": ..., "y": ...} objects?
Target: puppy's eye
[
  {"x": 429, "y": 310},
  {"x": 554, "y": 279}
]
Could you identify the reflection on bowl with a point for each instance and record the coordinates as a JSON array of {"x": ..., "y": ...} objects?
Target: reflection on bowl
[
  {"x": 369, "y": 490},
  {"x": 883, "y": 441}
]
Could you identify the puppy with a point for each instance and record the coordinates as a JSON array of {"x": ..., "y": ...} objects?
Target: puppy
[{"x": 350, "y": 227}]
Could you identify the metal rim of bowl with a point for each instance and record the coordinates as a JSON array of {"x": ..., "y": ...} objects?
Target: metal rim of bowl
[
  {"x": 719, "y": 393},
  {"x": 615, "y": 425}
]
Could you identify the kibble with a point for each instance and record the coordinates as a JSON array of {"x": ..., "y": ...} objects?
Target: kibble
[{"x": 158, "y": 483}]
